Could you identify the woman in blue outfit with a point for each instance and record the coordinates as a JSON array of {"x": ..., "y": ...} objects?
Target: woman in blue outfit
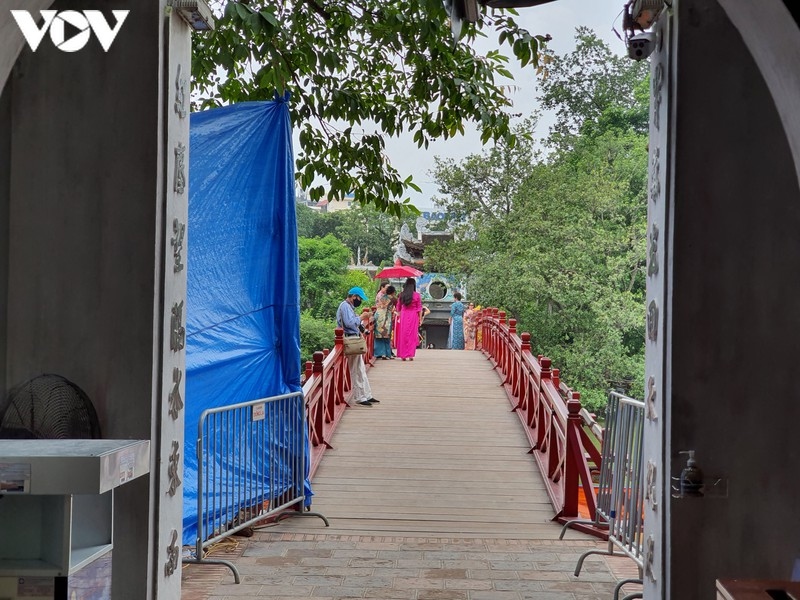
[{"x": 456, "y": 337}]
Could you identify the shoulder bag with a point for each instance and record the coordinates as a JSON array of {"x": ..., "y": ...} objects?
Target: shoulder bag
[{"x": 355, "y": 345}]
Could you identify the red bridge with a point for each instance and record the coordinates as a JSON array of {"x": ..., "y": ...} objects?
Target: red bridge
[{"x": 453, "y": 486}]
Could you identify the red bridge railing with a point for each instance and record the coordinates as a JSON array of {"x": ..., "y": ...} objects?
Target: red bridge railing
[
  {"x": 326, "y": 383},
  {"x": 550, "y": 412}
]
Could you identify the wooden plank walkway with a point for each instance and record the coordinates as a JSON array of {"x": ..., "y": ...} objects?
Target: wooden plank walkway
[
  {"x": 441, "y": 455},
  {"x": 431, "y": 495}
]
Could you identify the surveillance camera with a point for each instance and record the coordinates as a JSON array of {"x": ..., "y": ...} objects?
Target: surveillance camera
[{"x": 641, "y": 46}]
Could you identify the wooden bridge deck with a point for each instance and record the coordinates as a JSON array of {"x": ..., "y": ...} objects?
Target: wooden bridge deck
[
  {"x": 431, "y": 495},
  {"x": 441, "y": 455}
]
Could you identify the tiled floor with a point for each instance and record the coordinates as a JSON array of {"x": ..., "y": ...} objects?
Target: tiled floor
[{"x": 290, "y": 566}]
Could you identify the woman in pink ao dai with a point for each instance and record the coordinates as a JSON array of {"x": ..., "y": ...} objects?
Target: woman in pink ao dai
[{"x": 409, "y": 306}]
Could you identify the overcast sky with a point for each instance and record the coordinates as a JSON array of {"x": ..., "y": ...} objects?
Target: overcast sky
[{"x": 559, "y": 19}]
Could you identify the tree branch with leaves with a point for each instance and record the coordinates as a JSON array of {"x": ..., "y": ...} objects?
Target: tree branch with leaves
[{"x": 360, "y": 71}]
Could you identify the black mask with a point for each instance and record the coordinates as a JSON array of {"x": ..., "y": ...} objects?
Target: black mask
[{"x": 356, "y": 301}]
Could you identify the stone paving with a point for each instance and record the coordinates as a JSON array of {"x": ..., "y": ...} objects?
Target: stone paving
[{"x": 291, "y": 566}]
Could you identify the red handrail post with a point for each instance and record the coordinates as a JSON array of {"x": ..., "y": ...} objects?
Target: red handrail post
[
  {"x": 574, "y": 452},
  {"x": 341, "y": 371},
  {"x": 317, "y": 416},
  {"x": 526, "y": 341},
  {"x": 541, "y": 433},
  {"x": 578, "y": 463}
]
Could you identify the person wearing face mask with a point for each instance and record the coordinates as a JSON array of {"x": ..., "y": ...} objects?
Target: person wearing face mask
[{"x": 350, "y": 322}]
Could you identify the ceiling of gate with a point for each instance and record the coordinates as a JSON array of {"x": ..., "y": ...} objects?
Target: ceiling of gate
[{"x": 773, "y": 38}]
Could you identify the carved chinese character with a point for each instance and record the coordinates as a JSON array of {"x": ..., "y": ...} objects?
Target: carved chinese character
[
  {"x": 180, "y": 94},
  {"x": 177, "y": 334},
  {"x": 649, "y": 558},
  {"x": 173, "y": 555},
  {"x": 652, "y": 257},
  {"x": 179, "y": 230},
  {"x": 650, "y": 400},
  {"x": 172, "y": 468},
  {"x": 650, "y": 488},
  {"x": 652, "y": 321},
  {"x": 658, "y": 84},
  {"x": 655, "y": 175},
  {"x": 175, "y": 400},
  {"x": 180, "y": 168}
]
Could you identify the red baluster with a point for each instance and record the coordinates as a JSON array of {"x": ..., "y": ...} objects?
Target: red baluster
[
  {"x": 545, "y": 362},
  {"x": 307, "y": 373},
  {"x": 556, "y": 378},
  {"x": 317, "y": 416},
  {"x": 574, "y": 455},
  {"x": 526, "y": 341},
  {"x": 545, "y": 413},
  {"x": 511, "y": 356},
  {"x": 338, "y": 338}
]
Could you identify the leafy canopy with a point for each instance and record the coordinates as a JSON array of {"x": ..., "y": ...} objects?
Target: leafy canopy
[
  {"x": 358, "y": 71},
  {"x": 367, "y": 232},
  {"x": 563, "y": 248},
  {"x": 324, "y": 281},
  {"x": 481, "y": 189},
  {"x": 324, "y": 277}
]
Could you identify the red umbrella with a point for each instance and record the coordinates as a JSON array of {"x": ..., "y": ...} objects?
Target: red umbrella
[{"x": 398, "y": 271}]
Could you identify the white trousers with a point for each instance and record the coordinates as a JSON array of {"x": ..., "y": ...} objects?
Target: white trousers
[{"x": 358, "y": 377}]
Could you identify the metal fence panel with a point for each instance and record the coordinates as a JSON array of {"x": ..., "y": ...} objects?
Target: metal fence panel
[
  {"x": 251, "y": 464},
  {"x": 620, "y": 502}
]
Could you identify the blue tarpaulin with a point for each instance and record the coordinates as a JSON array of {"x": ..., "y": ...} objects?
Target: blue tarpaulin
[{"x": 243, "y": 315}]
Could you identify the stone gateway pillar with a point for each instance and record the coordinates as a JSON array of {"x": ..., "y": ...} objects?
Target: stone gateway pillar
[
  {"x": 723, "y": 325},
  {"x": 94, "y": 135}
]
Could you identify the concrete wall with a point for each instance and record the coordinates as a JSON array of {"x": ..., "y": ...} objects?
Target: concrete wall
[
  {"x": 733, "y": 324},
  {"x": 83, "y": 241}
]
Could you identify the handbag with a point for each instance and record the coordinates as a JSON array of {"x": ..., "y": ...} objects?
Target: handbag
[{"x": 355, "y": 345}]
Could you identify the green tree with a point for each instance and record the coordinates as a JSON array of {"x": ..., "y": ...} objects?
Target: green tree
[
  {"x": 365, "y": 230},
  {"x": 315, "y": 334},
  {"x": 592, "y": 84},
  {"x": 419, "y": 81},
  {"x": 306, "y": 220},
  {"x": 481, "y": 189},
  {"x": 323, "y": 266},
  {"x": 354, "y": 278},
  {"x": 369, "y": 232},
  {"x": 567, "y": 258},
  {"x": 324, "y": 282}
]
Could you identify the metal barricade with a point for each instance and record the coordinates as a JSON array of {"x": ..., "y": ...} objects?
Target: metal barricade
[
  {"x": 622, "y": 484},
  {"x": 251, "y": 464},
  {"x": 605, "y": 481}
]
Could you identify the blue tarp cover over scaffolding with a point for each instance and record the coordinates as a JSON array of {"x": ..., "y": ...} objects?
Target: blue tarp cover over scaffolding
[{"x": 242, "y": 324}]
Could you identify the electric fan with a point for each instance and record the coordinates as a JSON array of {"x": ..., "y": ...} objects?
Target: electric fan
[{"x": 48, "y": 407}]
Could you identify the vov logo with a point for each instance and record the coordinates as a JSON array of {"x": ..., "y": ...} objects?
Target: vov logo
[{"x": 79, "y": 26}]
